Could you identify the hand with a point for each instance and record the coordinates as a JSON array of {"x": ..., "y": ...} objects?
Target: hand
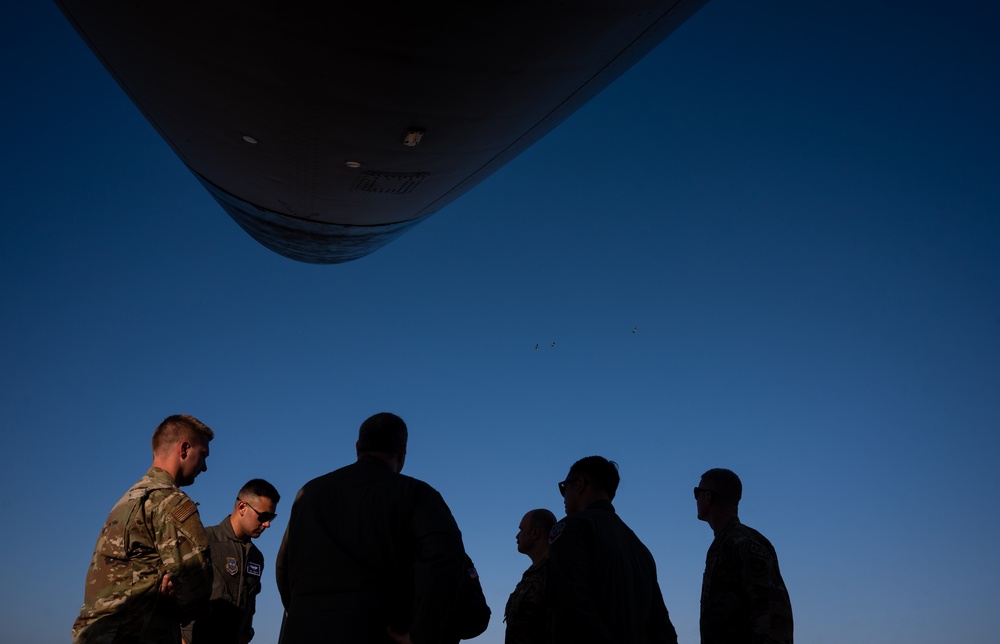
[
  {"x": 401, "y": 638},
  {"x": 167, "y": 587}
]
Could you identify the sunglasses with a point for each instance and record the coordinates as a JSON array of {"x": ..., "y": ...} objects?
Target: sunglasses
[
  {"x": 699, "y": 490},
  {"x": 563, "y": 484},
  {"x": 263, "y": 517}
]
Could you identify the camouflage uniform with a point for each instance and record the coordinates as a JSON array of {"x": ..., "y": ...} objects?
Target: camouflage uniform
[
  {"x": 528, "y": 616},
  {"x": 743, "y": 598},
  {"x": 153, "y": 530}
]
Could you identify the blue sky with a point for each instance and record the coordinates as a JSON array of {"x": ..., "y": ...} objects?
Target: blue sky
[{"x": 796, "y": 207}]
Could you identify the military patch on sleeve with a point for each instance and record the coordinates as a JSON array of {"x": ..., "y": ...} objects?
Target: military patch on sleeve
[
  {"x": 557, "y": 530},
  {"x": 184, "y": 511},
  {"x": 758, "y": 565}
]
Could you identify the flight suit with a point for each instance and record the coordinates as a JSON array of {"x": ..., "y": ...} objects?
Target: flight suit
[
  {"x": 367, "y": 548},
  {"x": 472, "y": 614},
  {"x": 238, "y": 566},
  {"x": 602, "y": 582}
]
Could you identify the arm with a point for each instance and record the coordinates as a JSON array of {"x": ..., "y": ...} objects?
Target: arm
[
  {"x": 438, "y": 567},
  {"x": 182, "y": 545},
  {"x": 660, "y": 630},
  {"x": 281, "y": 571},
  {"x": 281, "y": 561},
  {"x": 766, "y": 597}
]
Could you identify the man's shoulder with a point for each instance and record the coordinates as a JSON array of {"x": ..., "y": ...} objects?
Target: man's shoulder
[
  {"x": 406, "y": 491},
  {"x": 407, "y": 485},
  {"x": 743, "y": 542},
  {"x": 326, "y": 483},
  {"x": 159, "y": 487},
  {"x": 536, "y": 572},
  {"x": 172, "y": 502},
  {"x": 218, "y": 532},
  {"x": 361, "y": 471},
  {"x": 740, "y": 533},
  {"x": 155, "y": 486},
  {"x": 595, "y": 514},
  {"x": 416, "y": 484},
  {"x": 571, "y": 526},
  {"x": 170, "y": 506},
  {"x": 533, "y": 579},
  {"x": 153, "y": 479}
]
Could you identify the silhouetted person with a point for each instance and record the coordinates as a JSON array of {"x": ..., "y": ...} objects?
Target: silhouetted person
[
  {"x": 743, "y": 598},
  {"x": 238, "y": 565},
  {"x": 528, "y": 614},
  {"x": 602, "y": 579},
  {"x": 368, "y": 549}
]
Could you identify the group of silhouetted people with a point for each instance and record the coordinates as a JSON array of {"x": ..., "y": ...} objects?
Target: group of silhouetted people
[
  {"x": 370, "y": 555},
  {"x": 592, "y": 580}
]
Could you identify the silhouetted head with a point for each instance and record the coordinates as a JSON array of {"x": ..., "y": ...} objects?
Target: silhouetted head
[
  {"x": 599, "y": 472},
  {"x": 533, "y": 533},
  {"x": 383, "y": 432},
  {"x": 724, "y": 484},
  {"x": 717, "y": 497},
  {"x": 384, "y": 436},
  {"x": 590, "y": 479}
]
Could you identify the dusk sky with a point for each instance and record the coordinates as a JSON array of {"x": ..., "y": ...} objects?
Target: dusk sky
[{"x": 773, "y": 245}]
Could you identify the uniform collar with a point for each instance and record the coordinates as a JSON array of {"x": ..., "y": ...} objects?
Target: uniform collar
[
  {"x": 160, "y": 476},
  {"x": 729, "y": 526},
  {"x": 601, "y": 504},
  {"x": 538, "y": 566},
  {"x": 227, "y": 529}
]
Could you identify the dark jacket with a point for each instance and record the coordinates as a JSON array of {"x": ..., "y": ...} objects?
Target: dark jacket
[
  {"x": 366, "y": 549},
  {"x": 237, "y": 567},
  {"x": 602, "y": 582},
  {"x": 472, "y": 613}
]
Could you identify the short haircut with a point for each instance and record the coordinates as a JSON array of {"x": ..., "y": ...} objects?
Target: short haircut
[
  {"x": 180, "y": 427},
  {"x": 259, "y": 488},
  {"x": 542, "y": 519},
  {"x": 384, "y": 433},
  {"x": 724, "y": 484},
  {"x": 599, "y": 472}
]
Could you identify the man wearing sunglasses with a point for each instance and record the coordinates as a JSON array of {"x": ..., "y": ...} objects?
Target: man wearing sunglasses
[
  {"x": 602, "y": 579},
  {"x": 743, "y": 597},
  {"x": 237, "y": 564}
]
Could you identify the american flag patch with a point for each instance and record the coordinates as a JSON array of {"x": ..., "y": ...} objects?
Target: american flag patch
[{"x": 184, "y": 510}]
